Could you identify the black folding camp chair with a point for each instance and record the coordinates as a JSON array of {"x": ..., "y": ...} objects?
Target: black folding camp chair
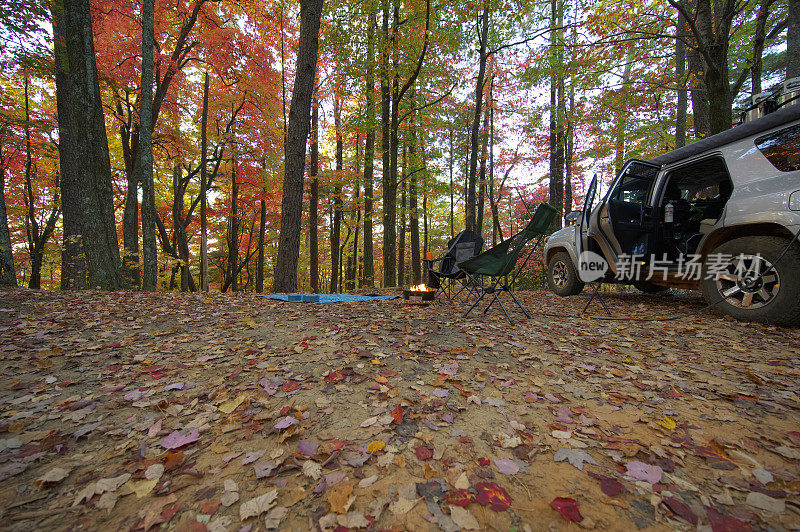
[
  {"x": 448, "y": 279},
  {"x": 493, "y": 271}
]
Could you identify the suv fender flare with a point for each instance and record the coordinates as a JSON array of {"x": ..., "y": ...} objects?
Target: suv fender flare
[
  {"x": 718, "y": 237},
  {"x": 561, "y": 247}
]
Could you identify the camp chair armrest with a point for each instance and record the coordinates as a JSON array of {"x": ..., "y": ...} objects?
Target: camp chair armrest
[{"x": 433, "y": 261}]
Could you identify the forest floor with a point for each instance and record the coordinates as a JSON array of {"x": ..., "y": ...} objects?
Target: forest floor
[{"x": 142, "y": 411}]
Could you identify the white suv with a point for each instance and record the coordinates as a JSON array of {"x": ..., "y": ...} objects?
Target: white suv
[{"x": 721, "y": 215}]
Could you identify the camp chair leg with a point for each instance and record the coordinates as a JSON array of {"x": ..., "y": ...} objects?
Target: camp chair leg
[
  {"x": 519, "y": 304},
  {"x": 506, "y": 312},
  {"x": 493, "y": 290},
  {"x": 478, "y": 301},
  {"x": 457, "y": 294},
  {"x": 596, "y": 294}
]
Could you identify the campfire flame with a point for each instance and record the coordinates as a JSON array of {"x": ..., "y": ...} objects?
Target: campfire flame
[{"x": 419, "y": 288}]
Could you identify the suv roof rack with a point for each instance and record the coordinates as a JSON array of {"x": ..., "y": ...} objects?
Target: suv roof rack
[{"x": 779, "y": 117}]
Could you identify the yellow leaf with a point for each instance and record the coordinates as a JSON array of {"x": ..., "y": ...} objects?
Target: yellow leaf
[
  {"x": 339, "y": 496},
  {"x": 142, "y": 488},
  {"x": 375, "y": 446},
  {"x": 376, "y": 362},
  {"x": 229, "y": 406},
  {"x": 668, "y": 423}
]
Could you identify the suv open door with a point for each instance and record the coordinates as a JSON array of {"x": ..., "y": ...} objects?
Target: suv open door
[{"x": 625, "y": 221}]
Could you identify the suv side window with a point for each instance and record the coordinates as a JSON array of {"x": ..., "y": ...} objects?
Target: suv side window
[
  {"x": 782, "y": 148},
  {"x": 633, "y": 189}
]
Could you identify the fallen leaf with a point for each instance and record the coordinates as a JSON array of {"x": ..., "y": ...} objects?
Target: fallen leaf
[
  {"x": 229, "y": 406},
  {"x": 286, "y": 422},
  {"x": 463, "y": 518},
  {"x": 258, "y": 505},
  {"x": 568, "y": 508},
  {"x": 339, "y": 496},
  {"x": 641, "y": 471},
  {"x": 667, "y": 422},
  {"x": 765, "y": 502},
  {"x": 272, "y": 521},
  {"x": 352, "y": 520},
  {"x": 576, "y": 457},
  {"x": 143, "y": 487},
  {"x": 154, "y": 472},
  {"x": 52, "y": 477},
  {"x": 312, "y": 469},
  {"x": 423, "y": 452},
  {"x": 375, "y": 446},
  {"x": 180, "y": 438},
  {"x": 507, "y": 466},
  {"x": 493, "y": 495},
  {"x": 681, "y": 509},
  {"x": 369, "y": 481}
]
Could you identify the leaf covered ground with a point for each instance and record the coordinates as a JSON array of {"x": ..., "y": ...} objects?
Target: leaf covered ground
[{"x": 138, "y": 411}]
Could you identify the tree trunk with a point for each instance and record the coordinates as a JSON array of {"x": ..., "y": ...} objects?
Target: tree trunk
[
  {"x": 680, "y": 76},
  {"x": 299, "y": 111},
  {"x": 470, "y": 218},
  {"x": 569, "y": 149},
  {"x": 203, "y": 192},
  {"x": 31, "y": 223},
  {"x": 389, "y": 191},
  {"x": 144, "y": 160},
  {"x": 416, "y": 263},
  {"x": 262, "y": 227},
  {"x": 8, "y": 276},
  {"x": 233, "y": 225},
  {"x": 452, "y": 200},
  {"x": 711, "y": 31},
  {"x": 492, "y": 205},
  {"x": 759, "y": 39},
  {"x": 368, "y": 278},
  {"x": 356, "y": 219},
  {"x": 129, "y": 269},
  {"x": 401, "y": 246},
  {"x": 337, "y": 196},
  {"x": 793, "y": 40},
  {"x": 89, "y": 222},
  {"x": 556, "y": 114},
  {"x": 700, "y": 109},
  {"x": 482, "y": 175},
  {"x": 313, "y": 200},
  {"x": 621, "y": 120},
  {"x": 425, "y": 241}
]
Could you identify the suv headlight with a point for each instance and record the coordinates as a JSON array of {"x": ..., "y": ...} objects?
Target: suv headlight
[{"x": 794, "y": 201}]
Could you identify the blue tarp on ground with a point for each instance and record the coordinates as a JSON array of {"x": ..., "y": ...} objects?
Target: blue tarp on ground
[{"x": 324, "y": 298}]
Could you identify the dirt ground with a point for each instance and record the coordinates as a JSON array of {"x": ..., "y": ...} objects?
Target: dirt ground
[{"x": 138, "y": 411}]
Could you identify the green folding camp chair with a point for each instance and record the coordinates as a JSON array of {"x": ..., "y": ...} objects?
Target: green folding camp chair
[{"x": 497, "y": 264}]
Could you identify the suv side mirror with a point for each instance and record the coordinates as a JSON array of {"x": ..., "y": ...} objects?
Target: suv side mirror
[{"x": 571, "y": 217}]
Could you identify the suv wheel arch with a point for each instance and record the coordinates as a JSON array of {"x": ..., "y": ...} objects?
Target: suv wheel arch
[{"x": 725, "y": 234}]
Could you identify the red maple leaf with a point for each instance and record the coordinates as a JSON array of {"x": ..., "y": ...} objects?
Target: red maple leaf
[
  {"x": 460, "y": 498},
  {"x": 334, "y": 377},
  {"x": 492, "y": 494},
  {"x": 397, "y": 414},
  {"x": 290, "y": 386},
  {"x": 424, "y": 452},
  {"x": 568, "y": 508},
  {"x": 725, "y": 523}
]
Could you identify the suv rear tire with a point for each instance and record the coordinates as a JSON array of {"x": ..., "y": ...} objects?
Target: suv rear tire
[
  {"x": 562, "y": 277},
  {"x": 773, "y": 299}
]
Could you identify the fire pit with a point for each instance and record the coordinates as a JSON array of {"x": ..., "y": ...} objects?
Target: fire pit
[{"x": 419, "y": 293}]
